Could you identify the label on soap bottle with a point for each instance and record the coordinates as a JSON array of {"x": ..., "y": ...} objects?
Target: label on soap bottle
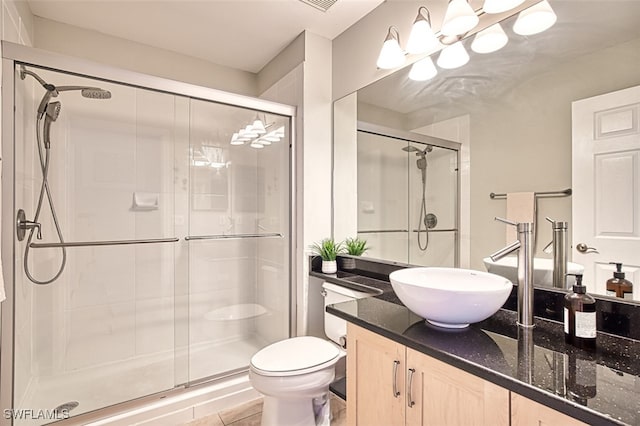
[
  {"x": 566, "y": 321},
  {"x": 585, "y": 325}
]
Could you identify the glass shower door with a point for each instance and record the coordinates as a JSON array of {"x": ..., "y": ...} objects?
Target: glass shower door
[
  {"x": 238, "y": 240},
  {"x": 103, "y": 332}
]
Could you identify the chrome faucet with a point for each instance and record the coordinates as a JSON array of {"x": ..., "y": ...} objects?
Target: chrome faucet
[
  {"x": 524, "y": 245},
  {"x": 559, "y": 245}
]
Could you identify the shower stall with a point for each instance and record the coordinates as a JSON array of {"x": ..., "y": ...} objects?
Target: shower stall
[
  {"x": 408, "y": 196},
  {"x": 146, "y": 234}
]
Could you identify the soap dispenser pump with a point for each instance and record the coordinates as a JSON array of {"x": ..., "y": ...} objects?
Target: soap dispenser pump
[
  {"x": 618, "y": 286},
  {"x": 580, "y": 317}
]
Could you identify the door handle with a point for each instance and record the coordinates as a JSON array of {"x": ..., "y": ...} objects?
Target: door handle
[
  {"x": 396, "y": 392},
  {"x": 410, "y": 401},
  {"x": 583, "y": 248}
]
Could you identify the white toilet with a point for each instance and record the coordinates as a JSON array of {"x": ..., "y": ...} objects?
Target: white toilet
[{"x": 294, "y": 374}]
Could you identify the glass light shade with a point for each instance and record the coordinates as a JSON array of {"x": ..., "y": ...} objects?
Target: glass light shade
[
  {"x": 258, "y": 127},
  {"x": 423, "y": 70},
  {"x": 391, "y": 55},
  {"x": 242, "y": 135},
  {"x": 490, "y": 39},
  {"x": 249, "y": 132},
  {"x": 264, "y": 142},
  {"x": 235, "y": 140},
  {"x": 536, "y": 19},
  {"x": 459, "y": 18},
  {"x": 421, "y": 39},
  {"x": 256, "y": 144},
  {"x": 453, "y": 56},
  {"x": 499, "y": 6},
  {"x": 279, "y": 131},
  {"x": 271, "y": 137}
]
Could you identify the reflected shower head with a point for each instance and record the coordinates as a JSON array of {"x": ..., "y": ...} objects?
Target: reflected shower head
[
  {"x": 53, "y": 110},
  {"x": 411, "y": 148}
]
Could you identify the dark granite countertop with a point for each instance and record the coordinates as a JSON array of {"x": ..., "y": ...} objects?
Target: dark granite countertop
[{"x": 596, "y": 388}]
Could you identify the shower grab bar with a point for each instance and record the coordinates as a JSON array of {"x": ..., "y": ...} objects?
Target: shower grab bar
[
  {"x": 231, "y": 236},
  {"x": 547, "y": 194},
  {"x": 387, "y": 231},
  {"x": 104, "y": 243}
]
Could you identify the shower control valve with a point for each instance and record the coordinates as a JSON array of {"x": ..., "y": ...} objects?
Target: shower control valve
[{"x": 22, "y": 225}]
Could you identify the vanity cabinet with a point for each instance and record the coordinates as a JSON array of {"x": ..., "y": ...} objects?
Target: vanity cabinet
[
  {"x": 390, "y": 384},
  {"x": 525, "y": 412}
]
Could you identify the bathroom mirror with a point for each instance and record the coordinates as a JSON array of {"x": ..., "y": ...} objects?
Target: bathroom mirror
[{"x": 511, "y": 111}]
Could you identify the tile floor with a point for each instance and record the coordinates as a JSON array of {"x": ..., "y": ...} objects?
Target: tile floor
[{"x": 249, "y": 415}]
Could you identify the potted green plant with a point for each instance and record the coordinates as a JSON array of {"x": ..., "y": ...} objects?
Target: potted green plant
[
  {"x": 328, "y": 250},
  {"x": 354, "y": 247}
]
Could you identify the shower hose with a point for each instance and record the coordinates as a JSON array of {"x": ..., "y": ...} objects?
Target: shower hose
[
  {"x": 423, "y": 216},
  {"x": 44, "y": 189}
]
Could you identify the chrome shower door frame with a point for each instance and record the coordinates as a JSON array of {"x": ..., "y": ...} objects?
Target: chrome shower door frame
[{"x": 13, "y": 54}]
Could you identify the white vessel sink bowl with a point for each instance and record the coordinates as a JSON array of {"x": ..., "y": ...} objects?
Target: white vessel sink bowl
[
  {"x": 542, "y": 270},
  {"x": 450, "y": 297}
]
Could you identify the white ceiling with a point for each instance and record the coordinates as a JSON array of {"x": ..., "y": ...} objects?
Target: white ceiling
[{"x": 242, "y": 34}]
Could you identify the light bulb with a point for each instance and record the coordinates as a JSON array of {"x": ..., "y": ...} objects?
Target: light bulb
[
  {"x": 453, "y": 56},
  {"x": 459, "y": 18},
  {"x": 499, "y": 6},
  {"x": 423, "y": 70},
  {"x": 391, "y": 55},
  {"x": 536, "y": 19},
  {"x": 422, "y": 39},
  {"x": 490, "y": 39}
]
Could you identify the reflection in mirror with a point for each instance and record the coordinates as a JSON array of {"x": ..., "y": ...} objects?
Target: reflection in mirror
[
  {"x": 516, "y": 114},
  {"x": 407, "y": 196}
]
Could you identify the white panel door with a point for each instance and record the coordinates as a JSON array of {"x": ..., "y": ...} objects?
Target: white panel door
[{"x": 606, "y": 186}]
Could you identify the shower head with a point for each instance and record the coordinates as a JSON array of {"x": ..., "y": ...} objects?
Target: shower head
[
  {"x": 51, "y": 114},
  {"x": 410, "y": 148},
  {"x": 53, "y": 110},
  {"x": 96, "y": 93}
]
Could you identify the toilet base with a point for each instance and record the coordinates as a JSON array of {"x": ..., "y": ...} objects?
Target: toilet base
[{"x": 293, "y": 412}]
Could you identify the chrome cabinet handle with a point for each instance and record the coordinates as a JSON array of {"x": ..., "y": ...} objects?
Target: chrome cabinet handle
[
  {"x": 410, "y": 401},
  {"x": 583, "y": 248},
  {"x": 396, "y": 392}
]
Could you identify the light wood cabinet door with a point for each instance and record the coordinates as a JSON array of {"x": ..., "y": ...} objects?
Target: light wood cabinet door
[
  {"x": 445, "y": 395},
  {"x": 525, "y": 412},
  {"x": 375, "y": 395}
]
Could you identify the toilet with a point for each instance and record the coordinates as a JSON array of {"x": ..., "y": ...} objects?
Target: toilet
[{"x": 294, "y": 374}]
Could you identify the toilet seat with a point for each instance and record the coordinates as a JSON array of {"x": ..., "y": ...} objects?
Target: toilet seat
[{"x": 295, "y": 356}]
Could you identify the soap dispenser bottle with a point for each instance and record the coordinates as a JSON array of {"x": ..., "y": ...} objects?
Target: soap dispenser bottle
[
  {"x": 580, "y": 317},
  {"x": 618, "y": 286}
]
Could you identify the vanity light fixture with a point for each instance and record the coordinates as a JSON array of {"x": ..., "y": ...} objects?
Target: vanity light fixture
[
  {"x": 499, "y": 6},
  {"x": 453, "y": 56},
  {"x": 490, "y": 39},
  {"x": 391, "y": 54},
  {"x": 535, "y": 19},
  {"x": 459, "y": 18},
  {"x": 422, "y": 38},
  {"x": 423, "y": 70}
]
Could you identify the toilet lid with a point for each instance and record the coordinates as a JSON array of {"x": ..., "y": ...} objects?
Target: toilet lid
[{"x": 294, "y": 355}]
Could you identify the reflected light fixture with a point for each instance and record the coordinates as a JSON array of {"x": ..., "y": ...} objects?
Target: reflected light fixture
[
  {"x": 258, "y": 126},
  {"x": 490, "y": 39},
  {"x": 499, "y": 6},
  {"x": 279, "y": 132},
  {"x": 422, "y": 38},
  {"x": 250, "y": 132},
  {"x": 256, "y": 144},
  {"x": 235, "y": 140},
  {"x": 459, "y": 18},
  {"x": 391, "y": 55},
  {"x": 453, "y": 56},
  {"x": 423, "y": 70},
  {"x": 535, "y": 19}
]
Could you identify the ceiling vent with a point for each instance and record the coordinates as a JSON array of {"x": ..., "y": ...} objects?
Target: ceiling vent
[{"x": 322, "y": 5}]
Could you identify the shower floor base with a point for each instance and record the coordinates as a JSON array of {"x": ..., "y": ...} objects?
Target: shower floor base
[{"x": 106, "y": 385}]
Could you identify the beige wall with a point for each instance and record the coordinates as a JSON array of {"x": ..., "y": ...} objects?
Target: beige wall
[
  {"x": 78, "y": 42},
  {"x": 523, "y": 143}
]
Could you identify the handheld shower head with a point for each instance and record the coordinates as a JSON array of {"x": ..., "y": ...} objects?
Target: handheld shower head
[
  {"x": 96, "y": 93},
  {"x": 51, "y": 114}
]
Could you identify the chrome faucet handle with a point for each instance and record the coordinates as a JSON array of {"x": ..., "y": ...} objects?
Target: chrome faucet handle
[
  {"x": 550, "y": 220},
  {"x": 507, "y": 221}
]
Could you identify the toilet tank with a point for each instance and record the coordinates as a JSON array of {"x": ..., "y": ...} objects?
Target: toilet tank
[{"x": 336, "y": 328}]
